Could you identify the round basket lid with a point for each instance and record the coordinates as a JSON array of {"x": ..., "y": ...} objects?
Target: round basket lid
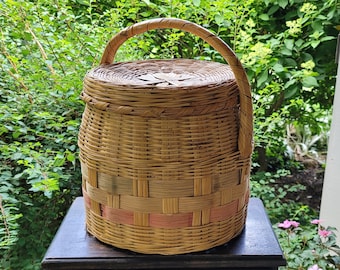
[
  {"x": 161, "y": 87},
  {"x": 174, "y": 73}
]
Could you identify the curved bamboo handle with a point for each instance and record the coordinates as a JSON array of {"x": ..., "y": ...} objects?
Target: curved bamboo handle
[{"x": 245, "y": 141}]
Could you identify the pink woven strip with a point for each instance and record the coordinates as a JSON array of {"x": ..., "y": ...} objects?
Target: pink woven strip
[
  {"x": 119, "y": 216},
  {"x": 221, "y": 213},
  {"x": 170, "y": 221}
]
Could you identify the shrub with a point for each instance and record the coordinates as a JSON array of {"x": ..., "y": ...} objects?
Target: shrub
[{"x": 309, "y": 246}]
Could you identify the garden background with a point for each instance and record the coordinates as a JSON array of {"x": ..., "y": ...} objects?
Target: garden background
[{"x": 46, "y": 47}]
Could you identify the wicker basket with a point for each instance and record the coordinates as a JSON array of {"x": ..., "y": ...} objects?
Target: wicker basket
[{"x": 165, "y": 148}]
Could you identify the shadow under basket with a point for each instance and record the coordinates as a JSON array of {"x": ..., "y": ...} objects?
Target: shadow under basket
[{"x": 165, "y": 148}]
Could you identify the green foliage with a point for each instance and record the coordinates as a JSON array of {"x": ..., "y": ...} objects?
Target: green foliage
[
  {"x": 274, "y": 194},
  {"x": 9, "y": 221},
  {"x": 303, "y": 145},
  {"x": 37, "y": 226},
  {"x": 46, "y": 48},
  {"x": 41, "y": 76},
  {"x": 308, "y": 246},
  {"x": 286, "y": 63},
  {"x": 304, "y": 244}
]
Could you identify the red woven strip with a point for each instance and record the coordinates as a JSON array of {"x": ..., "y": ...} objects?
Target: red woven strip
[
  {"x": 170, "y": 220},
  {"x": 119, "y": 216},
  {"x": 223, "y": 212}
]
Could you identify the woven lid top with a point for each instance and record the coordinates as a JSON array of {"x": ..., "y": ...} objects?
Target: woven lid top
[{"x": 173, "y": 73}]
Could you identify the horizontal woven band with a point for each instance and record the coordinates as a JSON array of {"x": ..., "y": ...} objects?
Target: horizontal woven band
[
  {"x": 162, "y": 240},
  {"x": 124, "y": 212},
  {"x": 158, "y": 188},
  {"x": 155, "y": 205},
  {"x": 160, "y": 111}
]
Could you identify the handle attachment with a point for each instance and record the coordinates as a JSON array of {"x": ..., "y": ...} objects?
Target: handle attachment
[{"x": 245, "y": 140}]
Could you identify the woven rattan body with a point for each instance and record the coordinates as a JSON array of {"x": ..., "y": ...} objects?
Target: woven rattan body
[{"x": 161, "y": 162}]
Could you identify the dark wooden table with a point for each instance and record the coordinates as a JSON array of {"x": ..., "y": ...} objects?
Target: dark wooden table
[{"x": 73, "y": 248}]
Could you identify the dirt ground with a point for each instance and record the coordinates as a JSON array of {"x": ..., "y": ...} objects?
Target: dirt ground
[{"x": 312, "y": 178}]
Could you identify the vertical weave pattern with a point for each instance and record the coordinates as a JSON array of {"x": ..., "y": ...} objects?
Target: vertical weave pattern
[{"x": 160, "y": 154}]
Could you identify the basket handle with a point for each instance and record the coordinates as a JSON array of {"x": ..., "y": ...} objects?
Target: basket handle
[{"x": 245, "y": 140}]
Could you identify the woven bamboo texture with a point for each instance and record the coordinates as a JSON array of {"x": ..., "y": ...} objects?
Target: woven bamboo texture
[{"x": 165, "y": 148}]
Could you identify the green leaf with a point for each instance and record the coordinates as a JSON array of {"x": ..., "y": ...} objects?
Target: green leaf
[
  {"x": 147, "y": 2},
  {"x": 290, "y": 62},
  {"x": 16, "y": 134},
  {"x": 290, "y": 92},
  {"x": 83, "y": 2},
  {"x": 46, "y": 185},
  {"x": 310, "y": 81},
  {"x": 327, "y": 38},
  {"x": 287, "y": 52},
  {"x": 283, "y": 3},
  {"x": 322, "y": 17},
  {"x": 299, "y": 43},
  {"x": 278, "y": 68},
  {"x": 289, "y": 43},
  {"x": 197, "y": 3},
  {"x": 289, "y": 83},
  {"x": 219, "y": 18},
  {"x": 262, "y": 78},
  {"x": 273, "y": 9},
  {"x": 315, "y": 43},
  {"x": 264, "y": 17},
  {"x": 71, "y": 157},
  {"x": 317, "y": 26}
]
